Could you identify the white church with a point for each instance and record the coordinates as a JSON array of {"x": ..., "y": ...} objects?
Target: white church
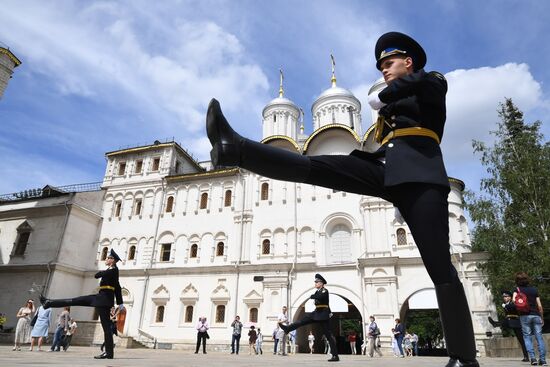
[{"x": 197, "y": 241}]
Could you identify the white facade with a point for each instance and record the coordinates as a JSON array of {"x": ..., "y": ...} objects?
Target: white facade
[
  {"x": 8, "y": 62},
  {"x": 197, "y": 239},
  {"x": 49, "y": 242},
  {"x": 219, "y": 243}
]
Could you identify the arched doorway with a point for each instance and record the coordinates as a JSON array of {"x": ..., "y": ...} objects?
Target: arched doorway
[
  {"x": 346, "y": 318},
  {"x": 420, "y": 314}
]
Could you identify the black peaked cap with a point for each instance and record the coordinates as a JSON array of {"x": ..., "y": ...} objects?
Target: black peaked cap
[{"x": 402, "y": 42}]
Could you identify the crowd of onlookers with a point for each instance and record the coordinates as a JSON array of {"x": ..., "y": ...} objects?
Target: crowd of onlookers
[{"x": 525, "y": 322}]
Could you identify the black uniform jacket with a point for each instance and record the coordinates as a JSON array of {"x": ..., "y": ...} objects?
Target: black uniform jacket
[
  {"x": 512, "y": 316},
  {"x": 322, "y": 311},
  {"x": 417, "y": 99},
  {"x": 105, "y": 297}
]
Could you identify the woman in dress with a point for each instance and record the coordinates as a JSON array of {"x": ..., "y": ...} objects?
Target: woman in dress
[
  {"x": 311, "y": 341},
  {"x": 40, "y": 329},
  {"x": 23, "y": 329}
]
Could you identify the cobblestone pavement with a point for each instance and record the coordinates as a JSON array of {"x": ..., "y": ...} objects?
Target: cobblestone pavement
[{"x": 83, "y": 357}]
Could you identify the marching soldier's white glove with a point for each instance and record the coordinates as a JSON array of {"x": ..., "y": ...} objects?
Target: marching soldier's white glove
[{"x": 375, "y": 102}]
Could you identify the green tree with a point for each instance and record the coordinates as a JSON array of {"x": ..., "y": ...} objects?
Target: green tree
[
  {"x": 511, "y": 214},
  {"x": 426, "y": 324}
]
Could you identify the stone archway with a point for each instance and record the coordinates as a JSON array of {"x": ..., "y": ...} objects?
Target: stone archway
[
  {"x": 420, "y": 314},
  {"x": 346, "y": 317}
]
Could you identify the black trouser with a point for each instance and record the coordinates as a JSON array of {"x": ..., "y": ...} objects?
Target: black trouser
[
  {"x": 325, "y": 324},
  {"x": 104, "y": 313},
  {"x": 423, "y": 206},
  {"x": 201, "y": 335}
]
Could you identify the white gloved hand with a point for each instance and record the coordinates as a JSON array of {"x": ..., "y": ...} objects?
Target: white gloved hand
[
  {"x": 121, "y": 307},
  {"x": 375, "y": 102}
]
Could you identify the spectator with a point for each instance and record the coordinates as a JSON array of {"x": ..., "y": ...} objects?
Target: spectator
[
  {"x": 2, "y": 321},
  {"x": 252, "y": 337},
  {"x": 202, "y": 334},
  {"x": 352, "y": 340},
  {"x": 292, "y": 339},
  {"x": 23, "y": 328},
  {"x": 237, "y": 326},
  {"x": 259, "y": 341},
  {"x": 62, "y": 327},
  {"x": 407, "y": 345},
  {"x": 511, "y": 321},
  {"x": 275, "y": 337},
  {"x": 373, "y": 333},
  {"x": 69, "y": 335},
  {"x": 327, "y": 344},
  {"x": 531, "y": 322},
  {"x": 311, "y": 341},
  {"x": 282, "y": 319},
  {"x": 41, "y": 327},
  {"x": 399, "y": 334},
  {"x": 414, "y": 342}
]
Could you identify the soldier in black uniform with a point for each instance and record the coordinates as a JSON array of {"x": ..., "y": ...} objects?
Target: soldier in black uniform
[
  {"x": 109, "y": 288},
  {"x": 406, "y": 170},
  {"x": 321, "y": 315},
  {"x": 511, "y": 321}
]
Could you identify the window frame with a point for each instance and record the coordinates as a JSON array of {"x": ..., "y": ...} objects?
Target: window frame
[{"x": 165, "y": 252}]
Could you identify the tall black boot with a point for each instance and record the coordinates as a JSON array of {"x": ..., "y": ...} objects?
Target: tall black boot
[
  {"x": 47, "y": 303},
  {"x": 457, "y": 325},
  {"x": 231, "y": 149}
]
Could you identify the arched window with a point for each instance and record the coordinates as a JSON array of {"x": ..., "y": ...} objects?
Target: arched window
[
  {"x": 264, "y": 191},
  {"x": 401, "y": 237},
  {"x": 132, "y": 253},
  {"x": 165, "y": 251},
  {"x": 118, "y": 208},
  {"x": 21, "y": 244},
  {"x": 169, "y": 204},
  {"x": 227, "y": 198},
  {"x": 204, "y": 200},
  {"x": 266, "y": 247},
  {"x": 220, "y": 313},
  {"x": 253, "y": 317},
  {"x": 189, "y": 314},
  {"x": 220, "y": 247},
  {"x": 104, "y": 253},
  {"x": 138, "y": 206},
  {"x": 194, "y": 250},
  {"x": 159, "y": 317},
  {"x": 340, "y": 244}
]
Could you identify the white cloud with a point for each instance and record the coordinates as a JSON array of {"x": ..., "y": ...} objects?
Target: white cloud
[
  {"x": 105, "y": 53},
  {"x": 472, "y": 102}
]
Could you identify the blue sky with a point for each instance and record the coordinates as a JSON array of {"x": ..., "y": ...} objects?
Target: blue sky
[{"x": 100, "y": 75}]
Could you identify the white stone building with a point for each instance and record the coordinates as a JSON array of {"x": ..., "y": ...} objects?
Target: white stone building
[
  {"x": 8, "y": 62},
  {"x": 48, "y": 241},
  {"x": 219, "y": 243}
]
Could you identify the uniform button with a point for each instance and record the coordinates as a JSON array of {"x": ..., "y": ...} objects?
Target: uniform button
[
  {"x": 390, "y": 145},
  {"x": 393, "y": 117},
  {"x": 393, "y": 125}
]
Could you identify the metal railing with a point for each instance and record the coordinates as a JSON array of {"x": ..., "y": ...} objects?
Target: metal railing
[
  {"x": 146, "y": 339},
  {"x": 50, "y": 190}
]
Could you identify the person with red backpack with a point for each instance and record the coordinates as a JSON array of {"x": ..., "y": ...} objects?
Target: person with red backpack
[{"x": 527, "y": 302}]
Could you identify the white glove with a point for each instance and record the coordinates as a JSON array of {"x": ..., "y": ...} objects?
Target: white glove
[
  {"x": 375, "y": 102},
  {"x": 121, "y": 307}
]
